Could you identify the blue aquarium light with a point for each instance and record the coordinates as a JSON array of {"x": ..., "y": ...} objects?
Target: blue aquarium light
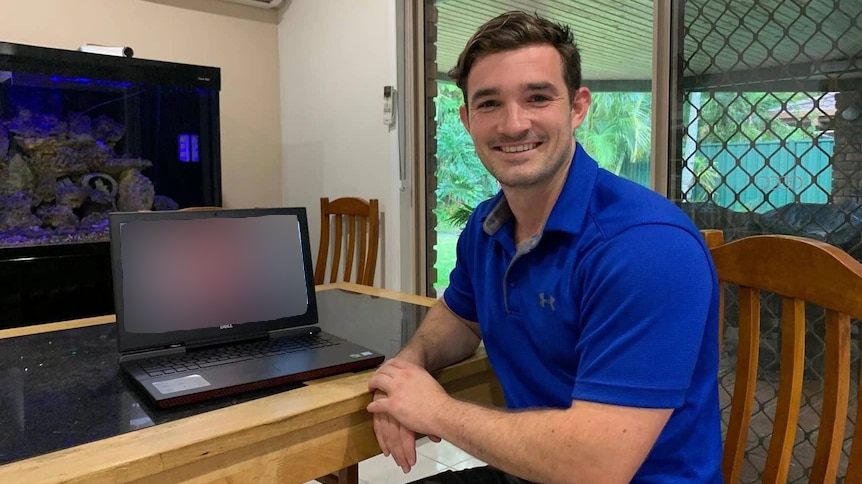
[
  {"x": 96, "y": 82},
  {"x": 187, "y": 148}
]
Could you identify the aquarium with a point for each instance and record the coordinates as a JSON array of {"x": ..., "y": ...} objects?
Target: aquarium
[{"x": 82, "y": 135}]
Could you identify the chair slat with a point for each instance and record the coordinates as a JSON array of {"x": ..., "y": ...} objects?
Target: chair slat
[
  {"x": 836, "y": 391},
  {"x": 854, "y": 465},
  {"x": 356, "y": 235},
  {"x": 336, "y": 250},
  {"x": 360, "y": 270},
  {"x": 351, "y": 246},
  {"x": 323, "y": 250},
  {"x": 745, "y": 383},
  {"x": 373, "y": 239},
  {"x": 792, "y": 370}
]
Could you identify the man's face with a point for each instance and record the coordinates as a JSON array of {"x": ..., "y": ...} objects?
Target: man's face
[{"x": 520, "y": 116}]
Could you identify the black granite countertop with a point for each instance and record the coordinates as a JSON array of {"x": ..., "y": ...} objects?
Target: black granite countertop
[{"x": 65, "y": 388}]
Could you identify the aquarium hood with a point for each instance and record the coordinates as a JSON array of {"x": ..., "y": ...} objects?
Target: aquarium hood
[{"x": 258, "y": 3}]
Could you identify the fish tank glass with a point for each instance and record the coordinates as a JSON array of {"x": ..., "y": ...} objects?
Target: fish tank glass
[{"x": 82, "y": 135}]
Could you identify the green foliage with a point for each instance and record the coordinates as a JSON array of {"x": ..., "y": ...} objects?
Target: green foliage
[
  {"x": 616, "y": 131},
  {"x": 445, "y": 261},
  {"x": 462, "y": 180},
  {"x": 461, "y": 214}
]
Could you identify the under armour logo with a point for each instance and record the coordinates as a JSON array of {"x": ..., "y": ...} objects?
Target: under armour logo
[{"x": 549, "y": 301}]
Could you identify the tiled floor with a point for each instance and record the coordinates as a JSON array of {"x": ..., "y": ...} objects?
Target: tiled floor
[{"x": 431, "y": 459}]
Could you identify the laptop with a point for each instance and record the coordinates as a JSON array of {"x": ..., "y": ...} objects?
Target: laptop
[{"x": 217, "y": 302}]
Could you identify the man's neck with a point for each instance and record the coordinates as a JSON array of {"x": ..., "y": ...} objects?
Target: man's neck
[{"x": 531, "y": 206}]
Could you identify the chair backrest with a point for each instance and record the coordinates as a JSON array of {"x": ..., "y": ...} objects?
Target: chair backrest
[
  {"x": 357, "y": 221},
  {"x": 799, "y": 270}
]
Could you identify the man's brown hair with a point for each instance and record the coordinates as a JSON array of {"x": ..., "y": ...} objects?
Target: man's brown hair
[{"x": 514, "y": 30}]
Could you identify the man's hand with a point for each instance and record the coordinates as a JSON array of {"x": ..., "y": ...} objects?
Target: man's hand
[
  {"x": 442, "y": 339},
  {"x": 407, "y": 399},
  {"x": 394, "y": 439}
]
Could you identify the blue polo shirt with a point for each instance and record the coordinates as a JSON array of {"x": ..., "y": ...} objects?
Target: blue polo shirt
[{"x": 615, "y": 301}]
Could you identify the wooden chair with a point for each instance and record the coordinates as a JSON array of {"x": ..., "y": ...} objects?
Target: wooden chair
[
  {"x": 362, "y": 221},
  {"x": 799, "y": 270}
]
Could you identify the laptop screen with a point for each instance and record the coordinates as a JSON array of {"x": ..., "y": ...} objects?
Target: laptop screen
[{"x": 186, "y": 277}]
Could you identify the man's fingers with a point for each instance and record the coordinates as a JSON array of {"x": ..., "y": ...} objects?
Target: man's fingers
[
  {"x": 381, "y": 421},
  {"x": 399, "y": 440},
  {"x": 375, "y": 407},
  {"x": 397, "y": 446},
  {"x": 402, "y": 457},
  {"x": 380, "y": 383},
  {"x": 394, "y": 439},
  {"x": 380, "y": 404},
  {"x": 408, "y": 444},
  {"x": 391, "y": 433},
  {"x": 382, "y": 426}
]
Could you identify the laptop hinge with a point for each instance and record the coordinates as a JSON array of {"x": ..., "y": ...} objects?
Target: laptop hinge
[
  {"x": 225, "y": 340},
  {"x": 289, "y": 332},
  {"x": 152, "y": 353}
]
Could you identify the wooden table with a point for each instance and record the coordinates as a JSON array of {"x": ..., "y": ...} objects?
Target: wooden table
[{"x": 290, "y": 437}]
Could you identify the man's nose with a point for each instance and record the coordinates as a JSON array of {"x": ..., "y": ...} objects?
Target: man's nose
[{"x": 515, "y": 120}]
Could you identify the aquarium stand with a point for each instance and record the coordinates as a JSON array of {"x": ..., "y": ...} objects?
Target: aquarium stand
[{"x": 42, "y": 284}]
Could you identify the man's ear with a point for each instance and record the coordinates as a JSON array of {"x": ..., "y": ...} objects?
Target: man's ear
[
  {"x": 464, "y": 119},
  {"x": 580, "y": 106}
]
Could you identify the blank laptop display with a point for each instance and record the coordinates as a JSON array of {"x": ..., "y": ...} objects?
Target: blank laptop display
[{"x": 216, "y": 302}]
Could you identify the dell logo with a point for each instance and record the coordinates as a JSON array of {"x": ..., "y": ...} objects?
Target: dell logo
[{"x": 226, "y": 326}]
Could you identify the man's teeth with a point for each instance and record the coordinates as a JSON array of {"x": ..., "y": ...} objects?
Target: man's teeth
[{"x": 519, "y": 148}]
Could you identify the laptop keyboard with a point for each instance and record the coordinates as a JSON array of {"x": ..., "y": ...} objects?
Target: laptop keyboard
[{"x": 180, "y": 363}]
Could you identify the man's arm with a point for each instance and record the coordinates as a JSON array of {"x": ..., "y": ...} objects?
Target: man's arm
[
  {"x": 588, "y": 442},
  {"x": 441, "y": 340}
]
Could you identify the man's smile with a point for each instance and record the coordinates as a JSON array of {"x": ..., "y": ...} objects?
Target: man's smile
[{"x": 517, "y": 148}]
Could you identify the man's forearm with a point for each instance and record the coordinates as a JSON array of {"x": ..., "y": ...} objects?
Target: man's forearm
[
  {"x": 550, "y": 445},
  {"x": 442, "y": 339}
]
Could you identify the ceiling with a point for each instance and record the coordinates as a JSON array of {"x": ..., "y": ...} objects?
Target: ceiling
[
  {"x": 729, "y": 41},
  {"x": 607, "y": 45}
]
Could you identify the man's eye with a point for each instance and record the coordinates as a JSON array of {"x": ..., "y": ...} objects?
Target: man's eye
[
  {"x": 487, "y": 105},
  {"x": 539, "y": 99}
]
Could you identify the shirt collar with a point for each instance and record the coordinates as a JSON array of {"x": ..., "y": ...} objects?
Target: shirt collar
[{"x": 570, "y": 208}]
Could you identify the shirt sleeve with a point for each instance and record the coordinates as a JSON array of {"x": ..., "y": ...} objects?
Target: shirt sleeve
[{"x": 645, "y": 306}]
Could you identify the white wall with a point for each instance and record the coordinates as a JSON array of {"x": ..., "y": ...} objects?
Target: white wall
[
  {"x": 327, "y": 60},
  {"x": 335, "y": 57},
  {"x": 240, "y": 40}
]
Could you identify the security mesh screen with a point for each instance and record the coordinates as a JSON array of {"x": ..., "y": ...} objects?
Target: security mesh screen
[{"x": 766, "y": 137}]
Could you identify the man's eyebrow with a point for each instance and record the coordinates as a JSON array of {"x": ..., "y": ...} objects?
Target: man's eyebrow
[
  {"x": 491, "y": 91},
  {"x": 533, "y": 86},
  {"x": 542, "y": 86}
]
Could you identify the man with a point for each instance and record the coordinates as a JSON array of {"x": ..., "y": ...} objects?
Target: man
[{"x": 595, "y": 298}]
